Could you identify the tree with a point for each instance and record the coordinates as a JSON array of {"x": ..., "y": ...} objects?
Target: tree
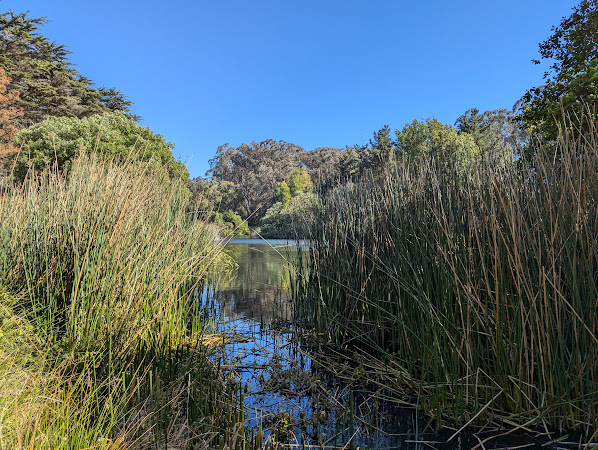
[
  {"x": 495, "y": 133},
  {"x": 210, "y": 195},
  {"x": 571, "y": 83},
  {"x": 299, "y": 182},
  {"x": 349, "y": 163},
  {"x": 40, "y": 71},
  {"x": 8, "y": 113},
  {"x": 436, "y": 139},
  {"x": 255, "y": 169},
  {"x": 382, "y": 149},
  {"x": 58, "y": 139},
  {"x": 290, "y": 221},
  {"x": 282, "y": 194},
  {"x": 115, "y": 100}
]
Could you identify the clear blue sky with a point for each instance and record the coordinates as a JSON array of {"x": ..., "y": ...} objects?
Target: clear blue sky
[{"x": 312, "y": 72}]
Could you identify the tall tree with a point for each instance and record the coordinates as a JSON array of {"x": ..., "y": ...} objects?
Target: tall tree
[
  {"x": 496, "y": 133},
  {"x": 255, "y": 169},
  {"x": 39, "y": 69},
  {"x": 382, "y": 147},
  {"x": 115, "y": 100},
  {"x": 299, "y": 182},
  {"x": 434, "y": 138},
  {"x": 282, "y": 194},
  {"x": 571, "y": 83}
]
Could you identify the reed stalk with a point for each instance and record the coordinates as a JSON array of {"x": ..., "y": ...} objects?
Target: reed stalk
[
  {"x": 101, "y": 266},
  {"x": 481, "y": 284}
]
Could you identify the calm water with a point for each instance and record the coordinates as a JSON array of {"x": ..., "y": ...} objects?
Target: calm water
[{"x": 300, "y": 400}]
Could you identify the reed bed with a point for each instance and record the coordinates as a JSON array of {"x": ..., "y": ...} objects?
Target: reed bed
[
  {"x": 99, "y": 270},
  {"x": 478, "y": 288}
]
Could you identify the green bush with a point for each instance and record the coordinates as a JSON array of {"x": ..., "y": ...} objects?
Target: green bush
[
  {"x": 230, "y": 223},
  {"x": 290, "y": 221},
  {"x": 60, "y": 139}
]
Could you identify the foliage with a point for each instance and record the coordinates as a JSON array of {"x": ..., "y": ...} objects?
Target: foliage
[
  {"x": 282, "y": 194},
  {"x": 99, "y": 272},
  {"x": 39, "y": 69},
  {"x": 299, "y": 182},
  {"x": 571, "y": 84},
  {"x": 381, "y": 151},
  {"x": 115, "y": 100},
  {"x": 60, "y": 139},
  {"x": 8, "y": 113},
  {"x": 322, "y": 162},
  {"x": 255, "y": 169},
  {"x": 479, "y": 289},
  {"x": 210, "y": 195},
  {"x": 349, "y": 163},
  {"x": 289, "y": 221},
  {"x": 229, "y": 223},
  {"x": 214, "y": 201},
  {"x": 436, "y": 139},
  {"x": 496, "y": 134}
]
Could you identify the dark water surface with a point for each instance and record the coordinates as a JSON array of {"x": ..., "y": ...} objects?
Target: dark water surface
[{"x": 314, "y": 402}]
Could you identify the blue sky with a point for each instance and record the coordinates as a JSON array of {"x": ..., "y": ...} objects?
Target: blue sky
[{"x": 313, "y": 72}]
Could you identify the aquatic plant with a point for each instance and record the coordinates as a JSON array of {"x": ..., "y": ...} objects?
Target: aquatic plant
[
  {"x": 477, "y": 287},
  {"x": 99, "y": 269}
]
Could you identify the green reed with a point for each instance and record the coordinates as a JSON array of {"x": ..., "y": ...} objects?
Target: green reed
[
  {"x": 99, "y": 270},
  {"x": 478, "y": 286}
]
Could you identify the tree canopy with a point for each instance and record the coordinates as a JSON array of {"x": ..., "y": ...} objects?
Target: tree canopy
[
  {"x": 112, "y": 134},
  {"x": 571, "y": 83},
  {"x": 255, "y": 169},
  {"x": 40, "y": 71},
  {"x": 431, "y": 137},
  {"x": 9, "y": 112}
]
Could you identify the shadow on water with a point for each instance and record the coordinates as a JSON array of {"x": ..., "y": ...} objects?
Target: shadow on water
[{"x": 330, "y": 400}]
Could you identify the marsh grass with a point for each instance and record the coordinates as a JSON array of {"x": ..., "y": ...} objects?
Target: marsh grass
[
  {"x": 99, "y": 271},
  {"x": 477, "y": 288}
]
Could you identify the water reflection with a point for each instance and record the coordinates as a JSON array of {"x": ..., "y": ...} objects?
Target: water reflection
[
  {"x": 259, "y": 287},
  {"x": 304, "y": 401}
]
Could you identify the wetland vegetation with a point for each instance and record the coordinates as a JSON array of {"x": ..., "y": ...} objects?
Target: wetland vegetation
[{"x": 440, "y": 289}]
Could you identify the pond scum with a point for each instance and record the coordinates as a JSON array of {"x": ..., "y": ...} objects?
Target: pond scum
[{"x": 476, "y": 288}]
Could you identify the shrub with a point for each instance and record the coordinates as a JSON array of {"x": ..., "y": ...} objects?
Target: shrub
[
  {"x": 282, "y": 221},
  {"x": 60, "y": 139}
]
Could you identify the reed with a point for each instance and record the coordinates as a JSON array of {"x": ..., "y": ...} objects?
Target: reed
[
  {"x": 99, "y": 270},
  {"x": 477, "y": 287}
]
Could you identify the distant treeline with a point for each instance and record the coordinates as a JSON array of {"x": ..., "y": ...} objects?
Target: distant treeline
[
  {"x": 244, "y": 180},
  {"x": 248, "y": 184}
]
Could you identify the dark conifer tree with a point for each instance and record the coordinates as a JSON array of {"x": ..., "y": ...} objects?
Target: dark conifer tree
[{"x": 40, "y": 70}]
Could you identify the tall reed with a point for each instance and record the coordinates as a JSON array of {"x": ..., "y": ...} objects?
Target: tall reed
[
  {"x": 479, "y": 286},
  {"x": 103, "y": 262}
]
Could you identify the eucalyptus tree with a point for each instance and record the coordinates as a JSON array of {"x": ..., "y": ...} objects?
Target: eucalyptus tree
[{"x": 255, "y": 169}]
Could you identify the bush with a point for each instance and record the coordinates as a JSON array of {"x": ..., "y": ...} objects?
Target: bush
[
  {"x": 60, "y": 139},
  {"x": 289, "y": 221},
  {"x": 230, "y": 223}
]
